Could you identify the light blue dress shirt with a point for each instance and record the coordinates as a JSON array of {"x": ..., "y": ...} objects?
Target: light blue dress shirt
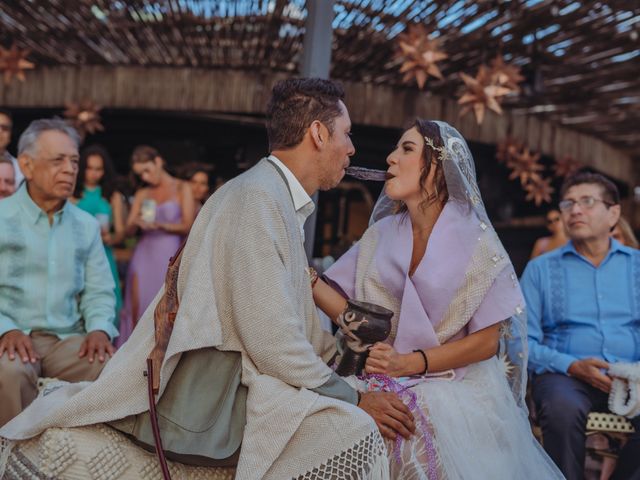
[
  {"x": 54, "y": 277},
  {"x": 576, "y": 310}
]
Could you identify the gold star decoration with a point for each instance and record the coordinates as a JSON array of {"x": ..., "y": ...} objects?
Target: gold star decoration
[
  {"x": 539, "y": 190},
  {"x": 525, "y": 165},
  {"x": 13, "y": 62},
  {"x": 565, "y": 166},
  {"x": 481, "y": 94},
  {"x": 509, "y": 368},
  {"x": 84, "y": 116},
  {"x": 507, "y": 149},
  {"x": 419, "y": 55},
  {"x": 505, "y": 75}
]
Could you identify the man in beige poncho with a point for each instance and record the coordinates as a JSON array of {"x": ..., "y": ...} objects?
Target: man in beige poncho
[{"x": 243, "y": 287}]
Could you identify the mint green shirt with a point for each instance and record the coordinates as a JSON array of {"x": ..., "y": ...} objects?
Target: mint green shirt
[{"x": 53, "y": 277}]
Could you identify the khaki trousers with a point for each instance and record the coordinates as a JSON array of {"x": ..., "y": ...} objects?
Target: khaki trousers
[{"x": 58, "y": 359}]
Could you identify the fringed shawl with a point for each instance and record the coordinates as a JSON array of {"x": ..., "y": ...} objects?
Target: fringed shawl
[
  {"x": 242, "y": 287},
  {"x": 465, "y": 282}
]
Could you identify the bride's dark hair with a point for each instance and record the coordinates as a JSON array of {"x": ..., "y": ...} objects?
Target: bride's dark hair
[{"x": 432, "y": 159}]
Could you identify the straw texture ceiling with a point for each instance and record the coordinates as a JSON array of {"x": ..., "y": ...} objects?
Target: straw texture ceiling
[{"x": 581, "y": 60}]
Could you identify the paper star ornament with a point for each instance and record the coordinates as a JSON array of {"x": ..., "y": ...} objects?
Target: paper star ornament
[
  {"x": 565, "y": 166},
  {"x": 84, "y": 116},
  {"x": 505, "y": 75},
  {"x": 481, "y": 94},
  {"x": 539, "y": 191},
  {"x": 507, "y": 149},
  {"x": 419, "y": 54},
  {"x": 13, "y": 63},
  {"x": 525, "y": 165}
]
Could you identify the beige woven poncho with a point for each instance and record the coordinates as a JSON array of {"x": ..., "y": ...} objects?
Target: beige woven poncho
[{"x": 242, "y": 287}]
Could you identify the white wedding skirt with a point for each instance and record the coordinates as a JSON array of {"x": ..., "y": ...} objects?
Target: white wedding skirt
[{"x": 477, "y": 429}]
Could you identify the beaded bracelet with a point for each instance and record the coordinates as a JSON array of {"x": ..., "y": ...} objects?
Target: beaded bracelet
[{"x": 313, "y": 276}]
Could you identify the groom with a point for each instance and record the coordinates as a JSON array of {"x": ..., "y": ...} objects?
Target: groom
[{"x": 243, "y": 287}]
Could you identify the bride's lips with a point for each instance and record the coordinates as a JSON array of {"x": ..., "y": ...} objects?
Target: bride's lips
[{"x": 389, "y": 176}]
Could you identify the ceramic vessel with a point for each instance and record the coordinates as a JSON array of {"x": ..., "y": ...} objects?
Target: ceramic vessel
[{"x": 363, "y": 324}]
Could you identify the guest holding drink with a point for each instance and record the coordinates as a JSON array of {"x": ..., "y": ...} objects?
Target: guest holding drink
[
  {"x": 163, "y": 211},
  {"x": 96, "y": 194}
]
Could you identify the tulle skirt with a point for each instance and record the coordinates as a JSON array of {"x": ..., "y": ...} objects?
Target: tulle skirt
[{"x": 473, "y": 430}]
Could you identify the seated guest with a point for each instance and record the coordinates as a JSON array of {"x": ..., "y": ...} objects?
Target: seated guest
[
  {"x": 200, "y": 182},
  {"x": 583, "y": 315},
  {"x": 7, "y": 176},
  {"x": 624, "y": 234},
  {"x": 557, "y": 238},
  {"x": 97, "y": 194},
  {"x": 56, "y": 291},
  {"x": 6, "y": 124}
]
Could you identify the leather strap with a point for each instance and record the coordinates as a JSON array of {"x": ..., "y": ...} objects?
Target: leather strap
[{"x": 164, "y": 317}]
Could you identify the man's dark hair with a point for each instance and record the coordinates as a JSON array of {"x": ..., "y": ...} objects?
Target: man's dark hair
[
  {"x": 610, "y": 192},
  {"x": 297, "y": 102},
  {"x": 6, "y": 113}
]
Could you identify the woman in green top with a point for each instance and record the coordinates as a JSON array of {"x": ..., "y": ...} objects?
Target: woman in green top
[{"x": 96, "y": 194}]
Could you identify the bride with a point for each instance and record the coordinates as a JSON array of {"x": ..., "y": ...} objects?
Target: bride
[{"x": 433, "y": 257}]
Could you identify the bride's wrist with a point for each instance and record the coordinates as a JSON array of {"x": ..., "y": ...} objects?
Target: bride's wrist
[{"x": 415, "y": 364}]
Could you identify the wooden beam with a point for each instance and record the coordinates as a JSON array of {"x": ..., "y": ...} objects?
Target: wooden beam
[{"x": 244, "y": 92}]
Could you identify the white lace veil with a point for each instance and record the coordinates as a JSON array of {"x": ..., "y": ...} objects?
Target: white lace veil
[{"x": 460, "y": 176}]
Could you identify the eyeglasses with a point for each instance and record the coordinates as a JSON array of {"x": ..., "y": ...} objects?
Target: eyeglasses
[
  {"x": 584, "y": 202},
  {"x": 5, "y": 128}
]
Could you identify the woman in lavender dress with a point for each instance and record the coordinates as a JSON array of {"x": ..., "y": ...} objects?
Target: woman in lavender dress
[
  {"x": 163, "y": 212},
  {"x": 432, "y": 256}
]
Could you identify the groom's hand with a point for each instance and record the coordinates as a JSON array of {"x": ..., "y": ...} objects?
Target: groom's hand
[{"x": 391, "y": 415}]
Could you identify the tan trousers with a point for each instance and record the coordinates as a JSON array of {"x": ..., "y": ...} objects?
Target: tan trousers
[{"x": 58, "y": 359}]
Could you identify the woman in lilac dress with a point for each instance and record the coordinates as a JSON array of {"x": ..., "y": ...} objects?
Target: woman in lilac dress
[
  {"x": 432, "y": 256},
  {"x": 163, "y": 212}
]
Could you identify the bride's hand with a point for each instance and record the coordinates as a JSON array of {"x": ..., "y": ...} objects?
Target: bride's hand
[{"x": 384, "y": 359}]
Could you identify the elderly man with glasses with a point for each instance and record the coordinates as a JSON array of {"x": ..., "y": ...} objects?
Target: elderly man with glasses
[
  {"x": 583, "y": 303},
  {"x": 57, "y": 305}
]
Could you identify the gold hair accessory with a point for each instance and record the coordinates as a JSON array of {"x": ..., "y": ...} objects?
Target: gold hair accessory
[{"x": 441, "y": 151}]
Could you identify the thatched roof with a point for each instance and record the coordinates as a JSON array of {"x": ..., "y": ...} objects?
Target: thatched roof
[{"x": 581, "y": 59}]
